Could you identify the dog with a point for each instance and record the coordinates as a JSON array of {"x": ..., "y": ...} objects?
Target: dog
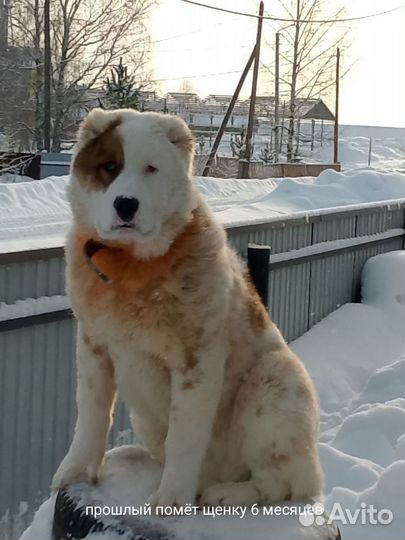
[{"x": 169, "y": 320}]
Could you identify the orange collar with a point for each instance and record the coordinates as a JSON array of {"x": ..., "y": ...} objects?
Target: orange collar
[{"x": 90, "y": 248}]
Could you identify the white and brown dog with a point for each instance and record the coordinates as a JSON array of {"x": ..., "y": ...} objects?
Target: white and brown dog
[{"x": 169, "y": 319}]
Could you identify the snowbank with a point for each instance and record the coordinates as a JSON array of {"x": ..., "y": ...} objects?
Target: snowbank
[
  {"x": 360, "y": 377},
  {"x": 40, "y": 208},
  {"x": 356, "y": 357},
  {"x": 33, "y": 306}
]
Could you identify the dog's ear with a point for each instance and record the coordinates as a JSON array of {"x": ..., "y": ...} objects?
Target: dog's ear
[
  {"x": 95, "y": 124},
  {"x": 180, "y": 135}
]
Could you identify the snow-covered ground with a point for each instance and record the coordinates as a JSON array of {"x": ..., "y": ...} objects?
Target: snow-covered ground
[
  {"x": 387, "y": 146},
  {"x": 39, "y": 209},
  {"x": 360, "y": 377},
  {"x": 356, "y": 357}
]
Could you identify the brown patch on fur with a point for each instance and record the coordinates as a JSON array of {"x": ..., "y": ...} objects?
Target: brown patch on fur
[
  {"x": 258, "y": 316},
  {"x": 157, "y": 359},
  {"x": 279, "y": 459},
  {"x": 300, "y": 445},
  {"x": 259, "y": 411},
  {"x": 89, "y": 164},
  {"x": 86, "y": 339},
  {"x": 191, "y": 362},
  {"x": 98, "y": 350},
  {"x": 271, "y": 459},
  {"x": 188, "y": 384},
  {"x": 192, "y": 373},
  {"x": 90, "y": 383}
]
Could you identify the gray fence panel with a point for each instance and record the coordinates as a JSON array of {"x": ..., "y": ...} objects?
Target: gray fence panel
[
  {"x": 32, "y": 279},
  {"x": 334, "y": 229},
  {"x": 330, "y": 285},
  {"x": 38, "y": 413},
  {"x": 37, "y": 409},
  {"x": 374, "y": 222},
  {"x": 289, "y": 299},
  {"x": 279, "y": 238}
]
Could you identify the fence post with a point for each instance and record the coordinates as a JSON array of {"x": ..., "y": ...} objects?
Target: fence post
[
  {"x": 312, "y": 134},
  {"x": 370, "y": 146},
  {"x": 258, "y": 259},
  {"x": 321, "y": 133},
  {"x": 336, "y": 127},
  {"x": 297, "y": 137}
]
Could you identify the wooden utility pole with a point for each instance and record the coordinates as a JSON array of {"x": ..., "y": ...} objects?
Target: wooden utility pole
[
  {"x": 228, "y": 113},
  {"x": 244, "y": 169},
  {"x": 297, "y": 137},
  {"x": 312, "y": 134},
  {"x": 293, "y": 90},
  {"x": 47, "y": 77},
  {"x": 282, "y": 128},
  {"x": 336, "y": 130},
  {"x": 277, "y": 98}
]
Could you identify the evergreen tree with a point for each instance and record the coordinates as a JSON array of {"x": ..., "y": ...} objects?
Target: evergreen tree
[{"x": 121, "y": 89}]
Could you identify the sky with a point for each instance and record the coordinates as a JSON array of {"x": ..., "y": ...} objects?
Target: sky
[{"x": 209, "y": 49}]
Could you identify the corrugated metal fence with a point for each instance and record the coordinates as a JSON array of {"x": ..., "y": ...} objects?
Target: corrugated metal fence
[{"x": 315, "y": 267}]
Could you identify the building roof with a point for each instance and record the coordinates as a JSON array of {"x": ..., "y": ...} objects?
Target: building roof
[
  {"x": 183, "y": 96},
  {"x": 314, "y": 109},
  {"x": 219, "y": 98}
]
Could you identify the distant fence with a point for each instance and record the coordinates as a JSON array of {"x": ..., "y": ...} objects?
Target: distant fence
[
  {"x": 315, "y": 267},
  {"x": 258, "y": 169},
  {"x": 54, "y": 164}
]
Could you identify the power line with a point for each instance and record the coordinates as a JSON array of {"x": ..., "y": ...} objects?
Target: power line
[
  {"x": 269, "y": 18},
  {"x": 189, "y": 33},
  {"x": 196, "y": 76}
]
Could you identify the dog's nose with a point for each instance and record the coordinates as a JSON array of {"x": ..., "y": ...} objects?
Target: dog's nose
[{"x": 126, "y": 207}]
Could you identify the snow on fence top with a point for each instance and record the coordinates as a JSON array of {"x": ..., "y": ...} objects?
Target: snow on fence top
[{"x": 37, "y": 213}]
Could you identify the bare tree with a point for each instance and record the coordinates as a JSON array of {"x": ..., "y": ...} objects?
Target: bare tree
[
  {"x": 87, "y": 38},
  {"x": 186, "y": 86},
  {"x": 307, "y": 51},
  {"x": 21, "y": 72}
]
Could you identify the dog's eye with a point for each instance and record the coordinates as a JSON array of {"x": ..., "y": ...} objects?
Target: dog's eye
[
  {"x": 150, "y": 169},
  {"x": 110, "y": 167}
]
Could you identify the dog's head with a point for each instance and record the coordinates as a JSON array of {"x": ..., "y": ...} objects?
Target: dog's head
[{"x": 130, "y": 178}]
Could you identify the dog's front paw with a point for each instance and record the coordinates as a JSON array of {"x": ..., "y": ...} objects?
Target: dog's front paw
[
  {"x": 73, "y": 470},
  {"x": 172, "y": 496}
]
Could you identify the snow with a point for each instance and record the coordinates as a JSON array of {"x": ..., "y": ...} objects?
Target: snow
[
  {"x": 356, "y": 358},
  {"x": 360, "y": 378},
  {"x": 11, "y": 178},
  {"x": 39, "y": 209},
  {"x": 33, "y": 306},
  {"x": 388, "y": 146}
]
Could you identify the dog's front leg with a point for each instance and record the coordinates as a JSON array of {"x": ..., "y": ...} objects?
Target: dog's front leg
[
  {"x": 95, "y": 398},
  {"x": 195, "y": 394}
]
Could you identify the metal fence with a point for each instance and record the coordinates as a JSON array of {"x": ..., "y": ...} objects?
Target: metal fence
[{"x": 315, "y": 266}]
